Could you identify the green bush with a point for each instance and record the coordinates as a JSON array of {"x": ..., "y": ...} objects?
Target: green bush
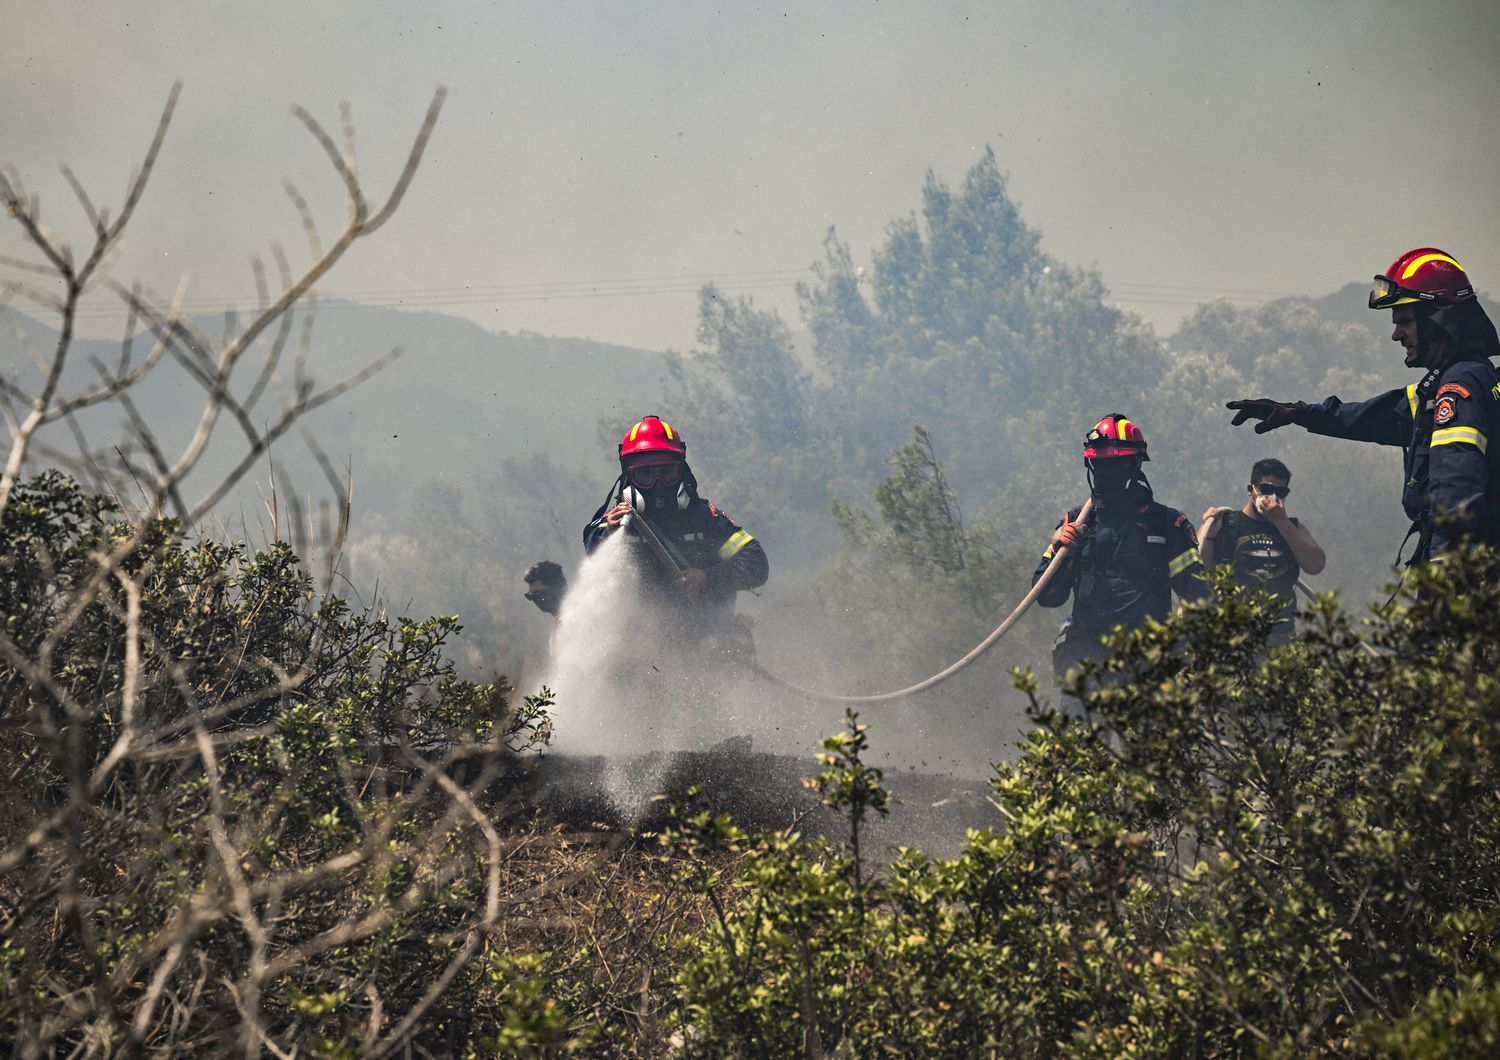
[
  {"x": 239, "y": 814},
  {"x": 242, "y": 811},
  {"x": 1281, "y": 851}
]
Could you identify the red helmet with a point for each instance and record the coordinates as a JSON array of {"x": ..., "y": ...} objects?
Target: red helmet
[
  {"x": 1114, "y": 435},
  {"x": 653, "y": 436},
  {"x": 1422, "y": 275}
]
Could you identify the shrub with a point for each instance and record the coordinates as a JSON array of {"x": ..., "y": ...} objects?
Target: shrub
[
  {"x": 243, "y": 812},
  {"x": 1284, "y": 850}
]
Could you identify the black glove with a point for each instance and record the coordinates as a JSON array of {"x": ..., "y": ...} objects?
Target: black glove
[{"x": 1272, "y": 414}]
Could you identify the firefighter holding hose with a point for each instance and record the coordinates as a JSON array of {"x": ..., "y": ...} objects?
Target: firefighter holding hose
[
  {"x": 1124, "y": 562},
  {"x": 696, "y": 552}
]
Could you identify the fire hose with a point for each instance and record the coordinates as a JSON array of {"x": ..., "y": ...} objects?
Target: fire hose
[
  {"x": 1369, "y": 648},
  {"x": 1058, "y": 555},
  {"x": 985, "y": 645}
]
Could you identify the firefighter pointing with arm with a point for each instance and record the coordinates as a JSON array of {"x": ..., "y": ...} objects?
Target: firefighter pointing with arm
[
  {"x": 1124, "y": 564},
  {"x": 1445, "y": 422}
]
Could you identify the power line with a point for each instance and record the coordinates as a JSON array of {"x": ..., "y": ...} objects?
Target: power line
[
  {"x": 503, "y": 294},
  {"x": 1130, "y": 292}
]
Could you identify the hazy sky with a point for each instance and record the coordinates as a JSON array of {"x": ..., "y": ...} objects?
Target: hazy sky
[{"x": 612, "y": 156}]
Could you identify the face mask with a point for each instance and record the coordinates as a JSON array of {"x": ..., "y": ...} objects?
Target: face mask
[
  {"x": 661, "y": 498},
  {"x": 1112, "y": 477}
]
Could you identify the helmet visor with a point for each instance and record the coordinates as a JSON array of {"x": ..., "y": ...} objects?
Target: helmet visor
[
  {"x": 1386, "y": 292},
  {"x": 1113, "y": 451}
]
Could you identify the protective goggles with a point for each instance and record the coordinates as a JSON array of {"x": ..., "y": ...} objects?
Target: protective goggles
[
  {"x": 1113, "y": 451},
  {"x": 1273, "y": 491},
  {"x": 1386, "y": 292},
  {"x": 652, "y": 475}
]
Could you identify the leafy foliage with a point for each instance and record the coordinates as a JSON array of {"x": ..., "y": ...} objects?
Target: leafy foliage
[
  {"x": 921, "y": 581},
  {"x": 1286, "y": 850},
  {"x": 965, "y": 324},
  {"x": 237, "y": 797}
]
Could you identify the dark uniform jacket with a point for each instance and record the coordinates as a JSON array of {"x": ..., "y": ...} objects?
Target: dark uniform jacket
[
  {"x": 1444, "y": 423},
  {"x": 704, "y": 537},
  {"x": 1124, "y": 572}
]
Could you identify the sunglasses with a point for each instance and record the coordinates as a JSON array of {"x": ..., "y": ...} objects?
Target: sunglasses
[
  {"x": 653, "y": 475},
  {"x": 1273, "y": 491}
]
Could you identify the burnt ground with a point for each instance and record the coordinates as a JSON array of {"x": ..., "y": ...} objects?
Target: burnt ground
[{"x": 760, "y": 791}]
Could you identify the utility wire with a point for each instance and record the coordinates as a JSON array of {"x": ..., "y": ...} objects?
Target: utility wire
[{"x": 1129, "y": 293}]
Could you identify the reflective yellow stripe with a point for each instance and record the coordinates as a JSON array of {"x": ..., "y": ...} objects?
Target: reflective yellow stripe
[
  {"x": 668, "y": 428},
  {"x": 1453, "y": 435},
  {"x": 634, "y": 430},
  {"x": 1182, "y": 562},
  {"x": 1048, "y": 554},
  {"x": 737, "y": 540},
  {"x": 1417, "y": 263},
  {"x": 1411, "y": 399},
  {"x": 1124, "y": 425}
]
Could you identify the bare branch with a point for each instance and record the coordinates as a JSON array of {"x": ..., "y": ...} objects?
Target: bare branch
[
  {"x": 356, "y": 196},
  {"x": 85, "y": 202},
  {"x": 279, "y": 428}
]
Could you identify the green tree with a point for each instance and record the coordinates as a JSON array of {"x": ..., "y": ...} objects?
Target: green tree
[
  {"x": 971, "y": 327},
  {"x": 759, "y": 441},
  {"x": 921, "y": 583}
]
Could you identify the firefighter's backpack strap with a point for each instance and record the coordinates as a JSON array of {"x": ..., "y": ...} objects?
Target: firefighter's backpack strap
[{"x": 1159, "y": 522}]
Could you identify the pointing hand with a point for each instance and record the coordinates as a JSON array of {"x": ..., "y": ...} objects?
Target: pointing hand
[{"x": 1272, "y": 414}]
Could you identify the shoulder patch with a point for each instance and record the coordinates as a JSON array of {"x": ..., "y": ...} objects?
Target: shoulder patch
[
  {"x": 720, "y": 513},
  {"x": 1447, "y": 408},
  {"x": 1183, "y": 523},
  {"x": 1453, "y": 388}
]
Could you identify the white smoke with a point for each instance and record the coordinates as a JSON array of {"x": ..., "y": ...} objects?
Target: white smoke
[
  {"x": 626, "y": 692},
  {"x": 592, "y": 648}
]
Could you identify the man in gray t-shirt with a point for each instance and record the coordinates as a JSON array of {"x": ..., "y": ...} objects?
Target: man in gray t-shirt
[{"x": 1266, "y": 547}]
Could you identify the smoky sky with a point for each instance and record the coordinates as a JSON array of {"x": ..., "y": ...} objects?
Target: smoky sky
[{"x": 597, "y": 161}]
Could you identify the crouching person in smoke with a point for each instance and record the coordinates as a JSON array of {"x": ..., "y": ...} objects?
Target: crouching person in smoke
[
  {"x": 688, "y": 550},
  {"x": 1125, "y": 560}
]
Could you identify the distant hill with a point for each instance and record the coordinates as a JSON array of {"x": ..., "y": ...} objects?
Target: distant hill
[
  {"x": 463, "y": 398},
  {"x": 1350, "y": 305},
  {"x": 459, "y": 399}
]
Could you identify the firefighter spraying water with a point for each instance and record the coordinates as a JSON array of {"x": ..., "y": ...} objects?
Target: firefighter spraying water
[
  {"x": 650, "y": 659},
  {"x": 694, "y": 559}
]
